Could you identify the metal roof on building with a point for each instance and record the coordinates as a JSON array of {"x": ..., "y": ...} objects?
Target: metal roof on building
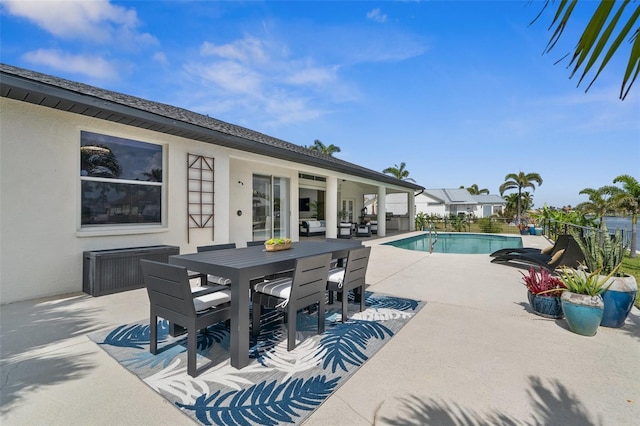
[
  {"x": 462, "y": 196},
  {"x": 78, "y": 98}
]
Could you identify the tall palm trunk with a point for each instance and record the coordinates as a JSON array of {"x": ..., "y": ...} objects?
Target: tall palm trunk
[
  {"x": 633, "y": 247},
  {"x": 519, "y": 204}
]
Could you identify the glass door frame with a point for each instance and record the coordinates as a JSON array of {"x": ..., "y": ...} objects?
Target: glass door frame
[{"x": 271, "y": 207}]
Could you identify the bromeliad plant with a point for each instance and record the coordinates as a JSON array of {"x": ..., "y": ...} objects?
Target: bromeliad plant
[{"x": 543, "y": 283}]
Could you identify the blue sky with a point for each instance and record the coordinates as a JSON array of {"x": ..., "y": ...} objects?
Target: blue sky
[{"x": 459, "y": 91}]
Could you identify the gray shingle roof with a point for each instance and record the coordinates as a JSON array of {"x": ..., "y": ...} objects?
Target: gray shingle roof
[{"x": 46, "y": 90}]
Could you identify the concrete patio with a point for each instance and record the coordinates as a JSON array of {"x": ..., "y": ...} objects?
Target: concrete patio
[{"x": 474, "y": 354}]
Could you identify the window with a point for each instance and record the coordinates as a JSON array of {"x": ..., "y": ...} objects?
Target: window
[{"x": 121, "y": 181}]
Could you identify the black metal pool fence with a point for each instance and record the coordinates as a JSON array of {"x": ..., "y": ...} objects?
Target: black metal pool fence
[{"x": 552, "y": 229}]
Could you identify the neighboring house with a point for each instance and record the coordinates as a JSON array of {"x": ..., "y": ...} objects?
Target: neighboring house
[
  {"x": 445, "y": 202},
  {"x": 82, "y": 169}
]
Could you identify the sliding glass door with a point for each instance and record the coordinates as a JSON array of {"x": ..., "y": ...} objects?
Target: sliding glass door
[{"x": 271, "y": 207}]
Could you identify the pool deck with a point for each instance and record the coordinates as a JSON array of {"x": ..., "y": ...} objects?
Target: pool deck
[{"x": 474, "y": 354}]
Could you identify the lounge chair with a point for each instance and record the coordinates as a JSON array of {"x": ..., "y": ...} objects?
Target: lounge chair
[
  {"x": 570, "y": 256},
  {"x": 561, "y": 242}
]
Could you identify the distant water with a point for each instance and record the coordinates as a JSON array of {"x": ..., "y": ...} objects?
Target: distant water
[{"x": 622, "y": 223}]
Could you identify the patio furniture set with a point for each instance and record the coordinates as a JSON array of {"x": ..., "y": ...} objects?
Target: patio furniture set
[
  {"x": 362, "y": 229},
  {"x": 289, "y": 280}
]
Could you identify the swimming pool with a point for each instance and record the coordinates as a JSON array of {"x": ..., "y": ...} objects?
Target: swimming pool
[{"x": 461, "y": 243}]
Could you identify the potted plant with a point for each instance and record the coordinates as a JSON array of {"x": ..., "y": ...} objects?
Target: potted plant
[
  {"x": 524, "y": 229},
  {"x": 318, "y": 208},
  {"x": 582, "y": 302},
  {"x": 544, "y": 291},
  {"x": 343, "y": 215},
  {"x": 605, "y": 253}
]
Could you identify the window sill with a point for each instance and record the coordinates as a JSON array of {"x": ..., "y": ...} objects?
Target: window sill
[{"x": 120, "y": 230}]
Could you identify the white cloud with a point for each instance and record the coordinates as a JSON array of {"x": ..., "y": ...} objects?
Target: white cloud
[
  {"x": 96, "y": 20},
  {"x": 377, "y": 16},
  {"x": 160, "y": 57},
  {"x": 312, "y": 75},
  {"x": 229, "y": 76},
  {"x": 247, "y": 50},
  {"x": 93, "y": 66}
]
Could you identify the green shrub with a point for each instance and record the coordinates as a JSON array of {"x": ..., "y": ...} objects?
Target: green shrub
[{"x": 489, "y": 225}]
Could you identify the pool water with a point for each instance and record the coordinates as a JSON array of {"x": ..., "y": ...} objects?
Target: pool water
[{"x": 461, "y": 243}]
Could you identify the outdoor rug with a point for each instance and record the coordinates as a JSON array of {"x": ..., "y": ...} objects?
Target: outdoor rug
[{"x": 277, "y": 387}]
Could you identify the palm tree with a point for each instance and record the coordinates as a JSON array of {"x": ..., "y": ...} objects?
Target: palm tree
[
  {"x": 399, "y": 172},
  {"x": 600, "y": 201},
  {"x": 511, "y": 206},
  {"x": 629, "y": 199},
  {"x": 325, "y": 149},
  {"x": 99, "y": 161},
  {"x": 527, "y": 201},
  {"x": 475, "y": 190},
  {"x": 155, "y": 175},
  {"x": 520, "y": 180},
  {"x": 590, "y": 46}
]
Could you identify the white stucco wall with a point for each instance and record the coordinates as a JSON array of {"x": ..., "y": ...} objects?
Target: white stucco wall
[{"x": 41, "y": 243}]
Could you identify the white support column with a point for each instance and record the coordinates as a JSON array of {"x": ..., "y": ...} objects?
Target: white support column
[
  {"x": 331, "y": 207},
  {"x": 411, "y": 198},
  {"x": 382, "y": 211}
]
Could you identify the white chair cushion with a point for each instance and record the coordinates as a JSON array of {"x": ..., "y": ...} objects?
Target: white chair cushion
[
  {"x": 336, "y": 275},
  {"x": 202, "y": 303},
  {"x": 280, "y": 287},
  {"x": 218, "y": 280}
]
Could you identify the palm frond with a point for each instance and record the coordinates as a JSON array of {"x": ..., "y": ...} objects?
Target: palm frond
[
  {"x": 135, "y": 335},
  {"x": 595, "y": 42},
  {"x": 164, "y": 357},
  {"x": 344, "y": 343},
  {"x": 390, "y": 302},
  {"x": 264, "y": 403}
]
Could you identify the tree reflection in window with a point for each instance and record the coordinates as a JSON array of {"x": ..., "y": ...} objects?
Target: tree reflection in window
[{"x": 121, "y": 180}]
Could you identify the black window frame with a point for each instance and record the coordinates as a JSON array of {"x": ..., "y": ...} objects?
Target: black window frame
[{"x": 122, "y": 182}]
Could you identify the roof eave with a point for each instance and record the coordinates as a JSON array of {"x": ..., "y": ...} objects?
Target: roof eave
[{"x": 39, "y": 93}]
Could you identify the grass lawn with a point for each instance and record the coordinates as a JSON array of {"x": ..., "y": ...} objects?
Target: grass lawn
[{"x": 631, "y": 266}]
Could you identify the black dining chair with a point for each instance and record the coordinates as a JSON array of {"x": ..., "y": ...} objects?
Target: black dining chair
[
  {"x": 171, "y": 298},
  {"x": 212, "y": 280},
  {"x": 350, "y": 277},
  {"x": 308, "y": 286},
  {"x": 255, "y": 243}
]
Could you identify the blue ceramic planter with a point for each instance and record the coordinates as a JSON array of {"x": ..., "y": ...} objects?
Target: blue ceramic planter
[
  {"x": 617, "y": 305},
  {"x": 583, "y": 313},
  {"x": 546, "y": 306},
  {"x": 618, "y": 300}
]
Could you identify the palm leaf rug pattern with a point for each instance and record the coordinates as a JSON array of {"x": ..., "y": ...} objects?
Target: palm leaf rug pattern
[{"x": 277, "y": 387}]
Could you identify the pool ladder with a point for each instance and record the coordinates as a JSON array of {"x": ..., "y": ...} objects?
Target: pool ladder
[{"x": 433, "y": 236}]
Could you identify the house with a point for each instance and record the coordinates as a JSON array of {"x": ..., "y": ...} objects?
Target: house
[
  {"x": 85, "y": 169},
  {"x": 445, "y": 202}
]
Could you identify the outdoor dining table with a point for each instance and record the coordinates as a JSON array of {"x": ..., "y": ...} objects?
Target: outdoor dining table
[{"x": 243, "y": 264}]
